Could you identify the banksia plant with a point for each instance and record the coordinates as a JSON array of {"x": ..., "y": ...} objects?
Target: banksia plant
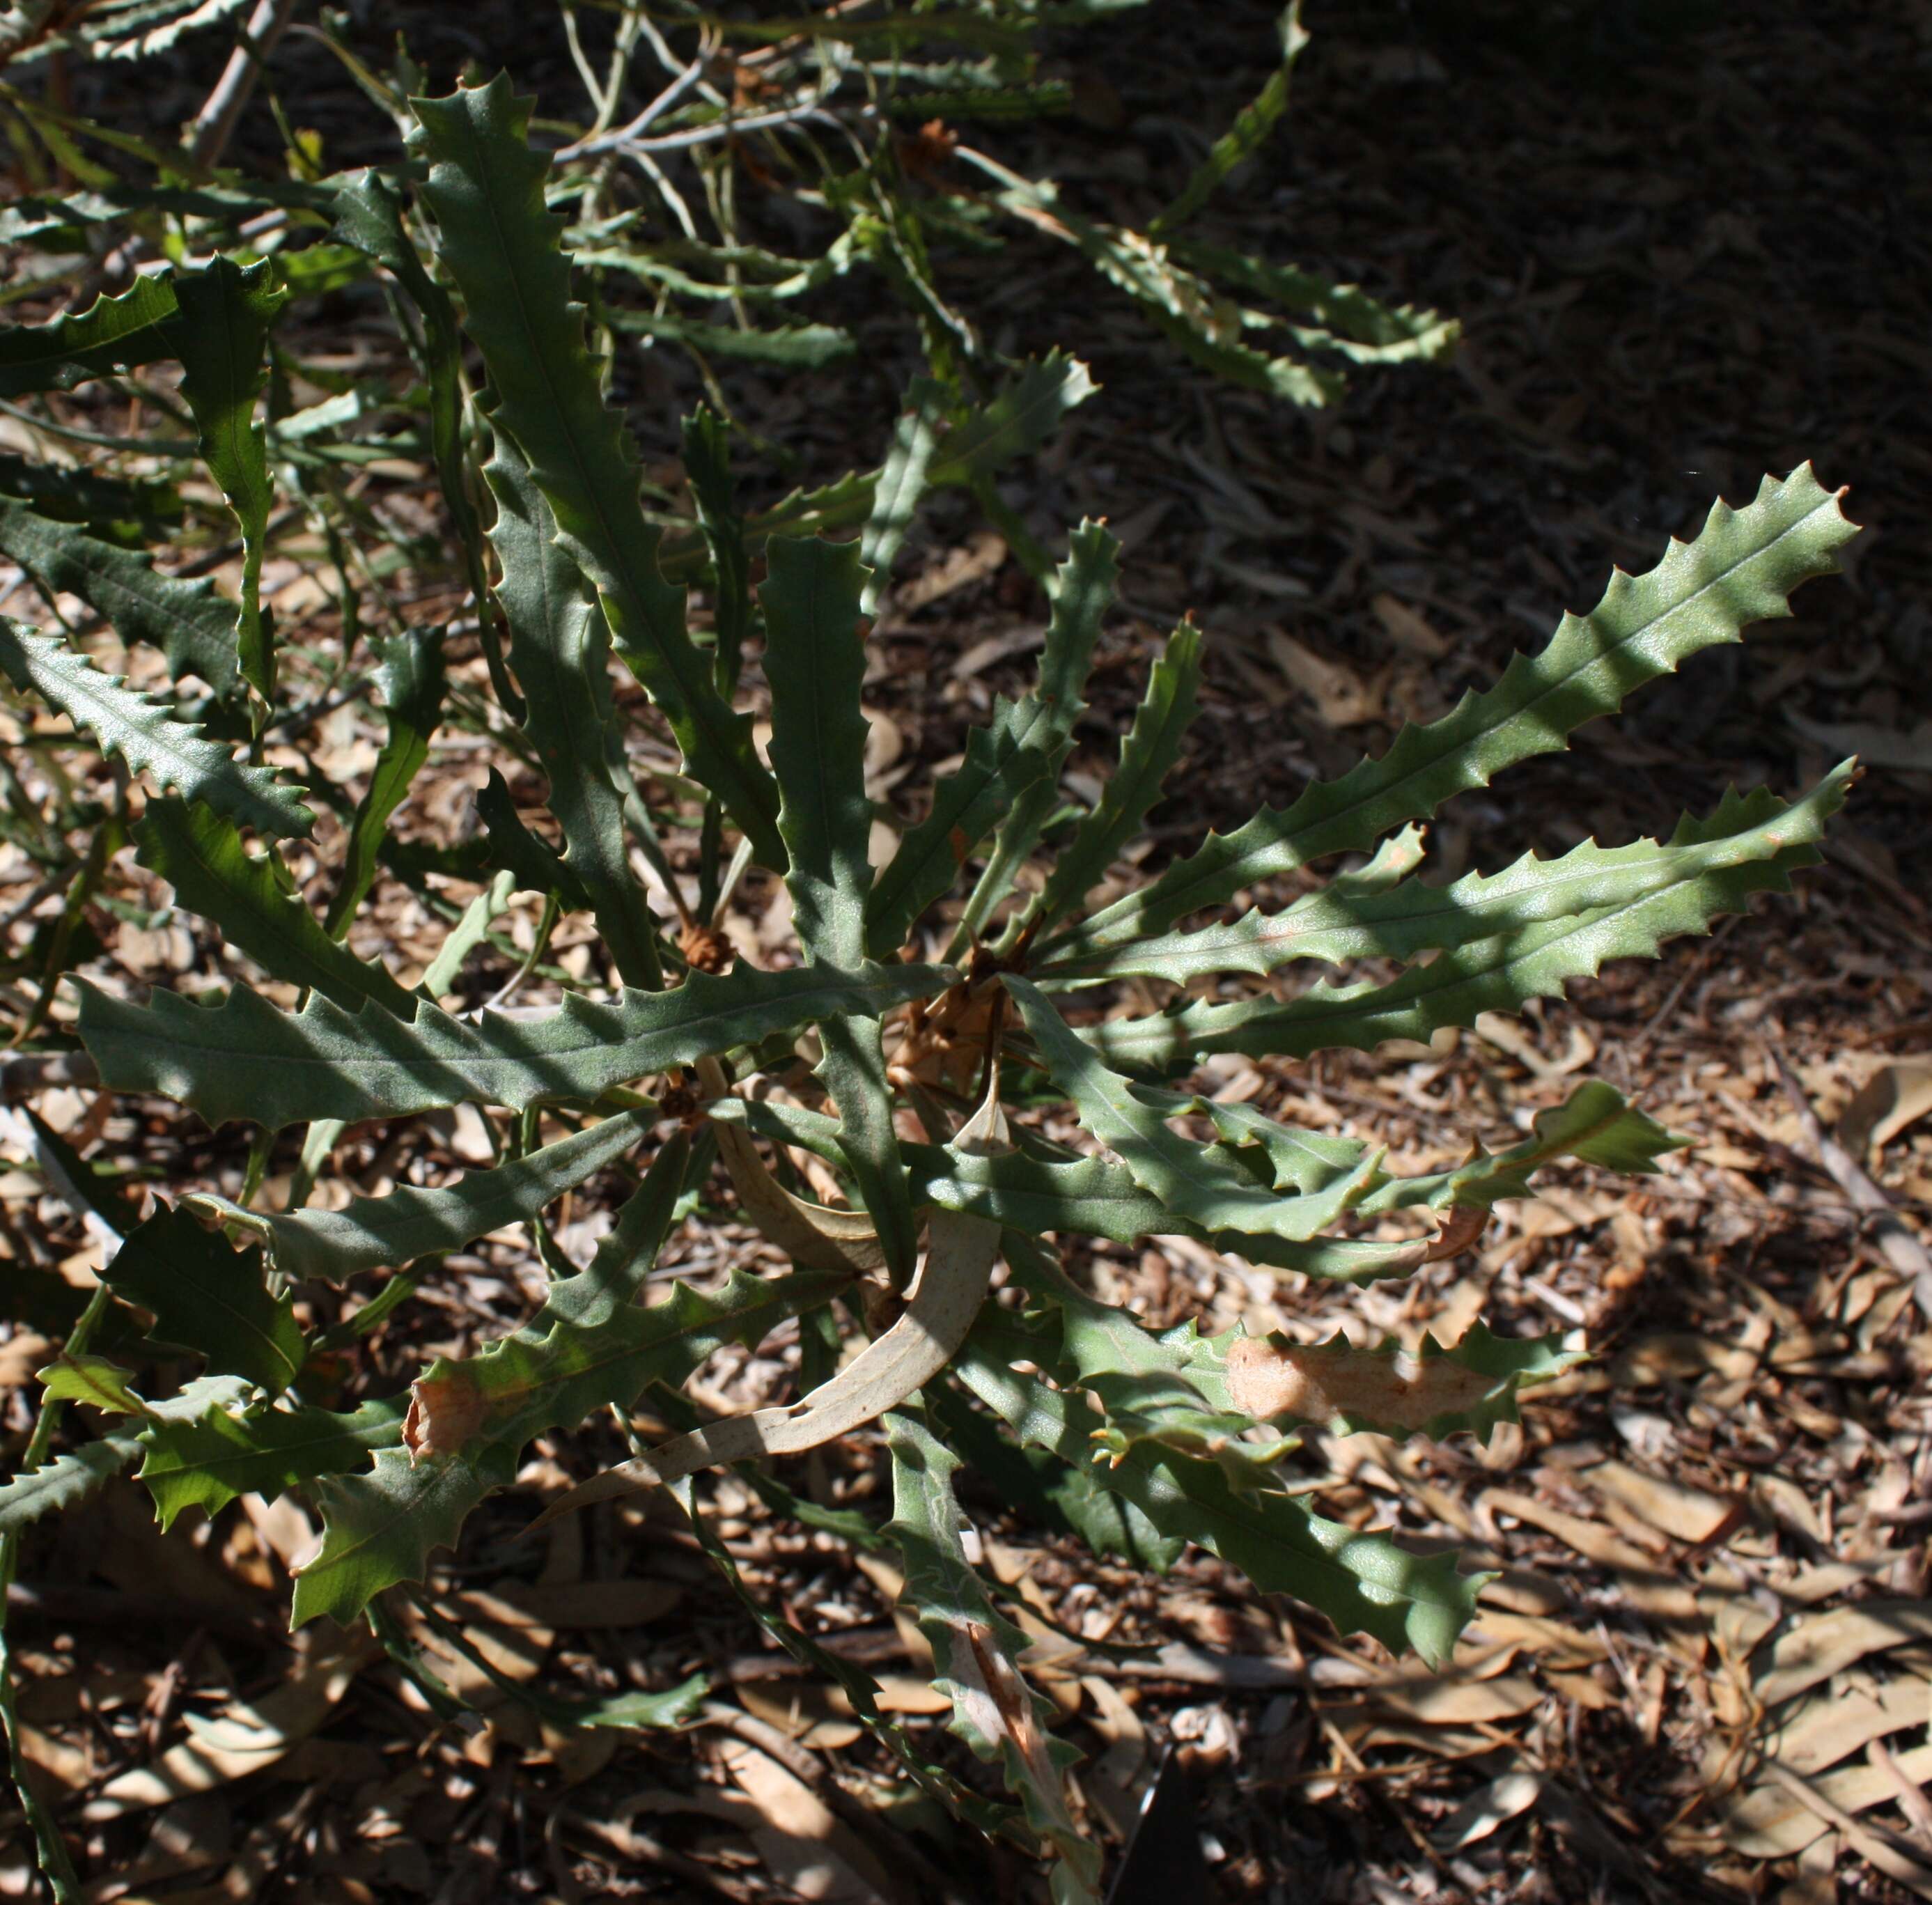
[{"x": 937, "y": 1002}]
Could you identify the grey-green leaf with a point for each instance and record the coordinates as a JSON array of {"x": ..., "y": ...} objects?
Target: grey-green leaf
[
  {"x": 485, "y": 186},
  {"x": 1761, "y": 841},
  {"x": 245, "y": 1058},
  {"x": 227, "y": 312},
  {"x": 129, "y": 722},
  {"x": 412, "y": 1222},
  {"x": 188, "y": 622},
  {"x": 1742, "y": 568},
  {"x": 209, "y": 1298},
  {"x": 252, "y": 901}
]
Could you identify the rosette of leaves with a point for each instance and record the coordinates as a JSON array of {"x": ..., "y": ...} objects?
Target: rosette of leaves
[{"x": 922, "y": 986}]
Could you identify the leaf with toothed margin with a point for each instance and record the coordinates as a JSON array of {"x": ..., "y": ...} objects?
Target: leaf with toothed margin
[
  {"x": 1740, "y": 569},
  {"x": 149, "y": 736},
  {"x": 68, "y": 1480},
  {"x": 1245, "y": 137},
  {"x": 1202, "y": 1184},
  {"x": 113, "y": 334},
  {"x": 245, "y": 1058},
  {"x": 250, "y": 898},
  {"x": 534, "y": 865},
  {"x": 1023, "y": 414},
  {"x": 485, "y": 186},
  {"x": 206, "y": 1461},
  {"x": 1004, "y": 759},
  {"x": 93, "y": 1380},
  {"x": 188, "y": 622},
  {"x": 975, "y": 1651},
  {"x": 560, "y": 648},
  {"x": 1083, "y": 591},
  {"x": 1752, "y": 844},
  {"x": 410, "y": 1222},
  {"x": 469, "y": 1420},
  {"x": 1365, "y": 1583},
  {"x": 592, "y": 1345},
  {"x": 227, "y": 312},
  {"x": 1151, "y": 747},
  {"x": 1400, "y": 921},
  {"x": 369, "y": 217},
  {"x": 815, "y": 662},
  {"x": 208, "y": 1298},
  {"x": 410, "y": 671},
  {"x": 901, "y": 483},
  {"x": 1011, "y": 764},
  {"x": 1093, "y": 1196},
  {"x": 1595, "y": 1124}
]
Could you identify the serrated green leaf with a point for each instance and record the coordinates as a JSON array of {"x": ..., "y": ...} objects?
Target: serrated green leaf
[
  {"x": 1093, "y": 1196},
  {"x": 410, "y": 1222},
  {"x": 369, "y": 216},
  {"x": 206, "y": 1461},
  {"x": 1364, "y": 1583},
  {"x": 246, "y": 896},
  {"x": 901, "y": 482},
  {"x": 485, "y": 186},
  {"x": 190, "y": 625},
  {"x": 1151, "y": 747},
  {"x": 790, "y": 346},
  {"x": 1058, "y": 1495},
  {"x": 560, "y": 648},
  {"x": 1024, "y": 416},
  {"x": 1346, "y": 319},
  {"x": 1012, "y": 766},
  {"x": 122, "y": 512},
  {"x": 1247, "y": 135},
  {"x": 102, "y": 36},
  {"x": 1761, "y": 840},
  {"x": 1005, "y": 760},
  {"x": 1594, "y": 1124},
  {"x": 469, "y": 1420},
  {"x": 707, "y": 466},
  {"x": 226, "y": 313},
  {"x": 975, "y": 1650},
  {"x": 533, "y": 865},
  {"x": 1198, "y": 318},
  {"x": 113, "y": 334},
  {"x": 129, "y": 722},
  {"x": 1347, "y": 922},
  {"x": 815, "y": 662},
  {"x": 1198, "y": 1183},
  {"x": 67, "y": 1480},
  {"x": 1740, "y": 569},
  {"x": 410, "y": 673},
  {"x": 208, "y": 1298},
  {"x": 245, "y": 1058},
  {"x": 94, "y": 1380},
  {"x": 1083, "y": 592}
]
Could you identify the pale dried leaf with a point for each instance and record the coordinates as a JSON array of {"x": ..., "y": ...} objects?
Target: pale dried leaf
[{"x": 1822, "y": 1644}]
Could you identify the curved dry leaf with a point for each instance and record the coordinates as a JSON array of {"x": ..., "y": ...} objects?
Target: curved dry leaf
[
  {"x": 1317, "y": 1383},
  {"x": 1818, "y": 1647}
]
